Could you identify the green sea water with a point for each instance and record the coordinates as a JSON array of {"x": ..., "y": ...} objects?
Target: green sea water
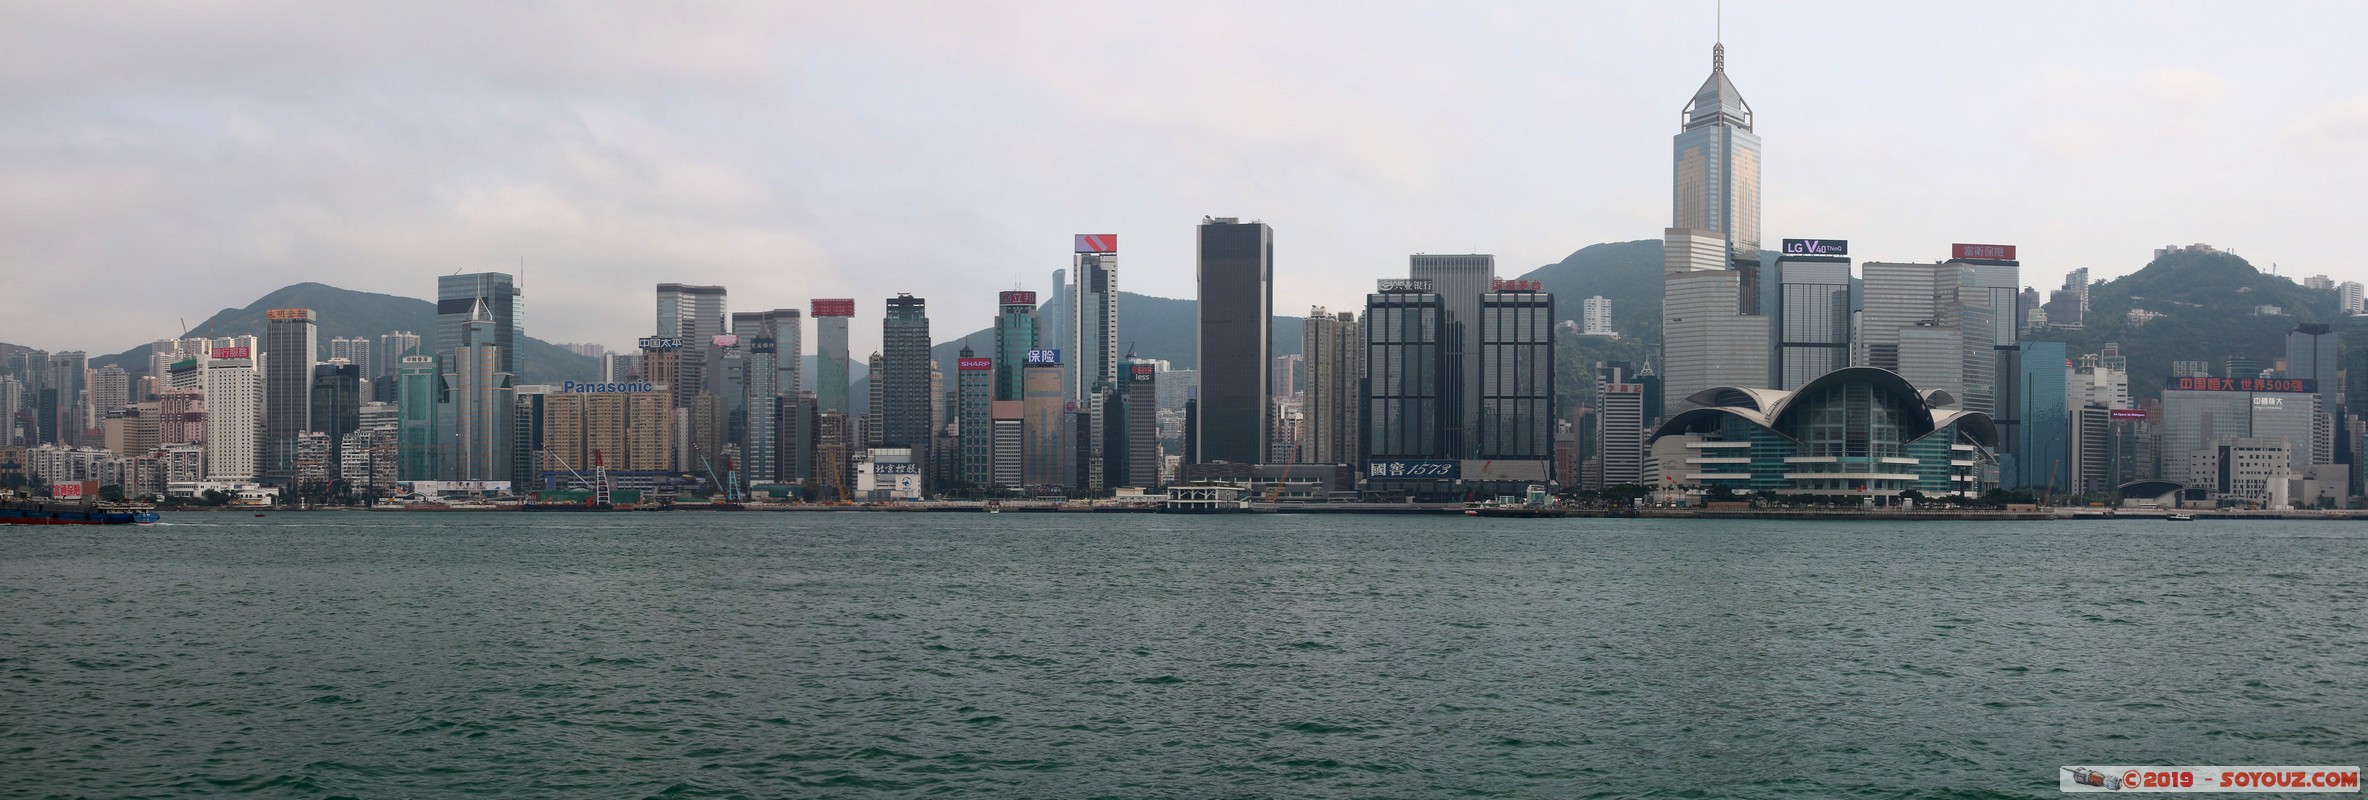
[{"x": 1121, "y": 655}]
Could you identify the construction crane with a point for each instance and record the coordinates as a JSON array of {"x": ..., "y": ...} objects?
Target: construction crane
[{"x": 1274, "y": 491}]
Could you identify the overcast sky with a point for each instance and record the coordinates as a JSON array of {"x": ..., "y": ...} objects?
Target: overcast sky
[{"x": 167, "y": 160}]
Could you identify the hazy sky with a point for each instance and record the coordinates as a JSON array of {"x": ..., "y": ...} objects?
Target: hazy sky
[{"x": 170, "y": 159}]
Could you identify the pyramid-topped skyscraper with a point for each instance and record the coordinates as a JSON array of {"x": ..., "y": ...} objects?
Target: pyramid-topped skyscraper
[{"x": 1716, "y": 173}]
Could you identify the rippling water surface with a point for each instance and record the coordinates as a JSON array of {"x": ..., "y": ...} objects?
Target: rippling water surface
[{"x": 1039, "y": 655}]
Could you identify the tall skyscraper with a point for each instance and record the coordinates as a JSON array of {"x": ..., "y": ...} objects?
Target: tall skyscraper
[
  {"x": 1139, "y": 409},
  {"x": 110, "y": 389},
  {"x": 1056, "y": 326},
  {"x": 1015, "y": 334},
  {"x": 290, "y": 349},
  {"x": 974, "y": 416},
  {"x": 1094, "y": 352},
  {"x": 693, "y": 315},
  {"x": 12, "y": 404},
  {"x": 336, "y": 409},
  {"x": 39, "y": 402},
  {"x": 1991, "y": 296},
  {"x": 759, "y": 332},
  {"x": 457, "y": 296},
  {"x": 1335, "y": 348},
  {"x": 830, "y": 353},
  {"x": 65, "y": 400},
  {"x": 1716, "y": 175},
  {"x": 419, "y": 401},
  {"x": 1407, "y": 382},
  {"x": 2042, "y": 455},
  {"x": 1621, "y": 409},
  {"x": 2313, "y": 353},
  {"x": 1705, "y": 340},
  {"x": 1812, "y": 311},
  {"x": 1047, "y": 449},
  {"x": 1517, "y": 388},
  {"x": 479, "y": 395},
  {"x": 1459, "y": 281},
  {"x": 234, "y": 410},
  {"x": 1235, "y": 274},
  {"x": 904, "y": 382}
]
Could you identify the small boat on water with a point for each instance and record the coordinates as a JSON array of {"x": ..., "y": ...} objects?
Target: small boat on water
[{"x": 2182, "y": 517}]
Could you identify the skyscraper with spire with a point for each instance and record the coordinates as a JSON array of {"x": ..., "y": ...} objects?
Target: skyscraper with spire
[
  {"x": 1716, "y": 176},
  {"x": 1712, "y": 330}
]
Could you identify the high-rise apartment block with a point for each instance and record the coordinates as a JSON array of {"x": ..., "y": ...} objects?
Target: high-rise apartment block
[
  {"x": 358, "y": 351},
  {"x": 628, "y": 429},
  {"x": 234, "y": 410},
  {"x": 1334, "y": 347},
  {"x": 1595, "y": 317}
]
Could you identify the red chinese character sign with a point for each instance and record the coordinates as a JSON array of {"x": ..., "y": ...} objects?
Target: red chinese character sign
[{"x": 1984, "y": 252}]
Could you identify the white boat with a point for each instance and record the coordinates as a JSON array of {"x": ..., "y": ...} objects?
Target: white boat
[{"x": 2182, "y": 517}]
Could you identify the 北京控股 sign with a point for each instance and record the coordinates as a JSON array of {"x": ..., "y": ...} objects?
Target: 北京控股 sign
[
  {"x": 1816, "y": 247},
  {"x": 1986, "y": 252}
]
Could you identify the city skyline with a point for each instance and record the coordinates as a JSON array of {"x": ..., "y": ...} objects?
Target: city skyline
[{"x": 251, "y": 172}]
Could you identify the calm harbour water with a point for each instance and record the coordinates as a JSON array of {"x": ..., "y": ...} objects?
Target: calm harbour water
[{"x": 1039, "y": 655}]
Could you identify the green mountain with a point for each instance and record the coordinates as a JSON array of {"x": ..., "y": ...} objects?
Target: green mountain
[
  {"x": 345, "y": 313},
  {"x": 2209, "y": 306}
]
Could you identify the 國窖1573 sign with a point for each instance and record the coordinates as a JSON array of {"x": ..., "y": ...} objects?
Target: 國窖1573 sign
[
  {"x": 1413, "y": 469},
  {"x": 1816, "y": 247}
]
